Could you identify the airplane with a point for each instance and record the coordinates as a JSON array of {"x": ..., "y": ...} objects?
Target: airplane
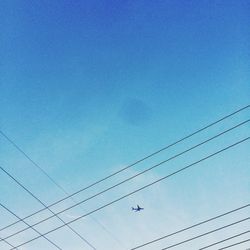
[{"x": 137, "y": 209}]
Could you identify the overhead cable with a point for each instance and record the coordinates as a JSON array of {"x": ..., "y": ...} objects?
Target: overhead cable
[
  {"x": 132, "y": 177},
  {"x": 129, "y": 166},
  {"x": 235, "y": 244},
  {"x": 8, "y": 243},
  {"x": 229, "y": 238},
  {"x": 131, "y": 193},
  {"x": 42, "y": 203},
  {"x": 190, "y": 227},
  {"x": 117, "y": 172},
  {"x": 140, "y": 173},
  {"x": 14, "y": 214},
  {"x": 209, "y": 232}
]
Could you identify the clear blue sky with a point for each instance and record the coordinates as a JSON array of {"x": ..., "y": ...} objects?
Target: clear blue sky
[{"x": 87, "y": 87}]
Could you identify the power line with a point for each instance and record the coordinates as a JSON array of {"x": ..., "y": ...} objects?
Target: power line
[
  {"x": 129, "y": 194},
  {"x": 229, "y": 238},
  {"x": 131, "y": 165},
  {"x": 105, "y": 190},
  {"x": 54, "y": 214},
  {"x": 14, "y": 214},
  {"x": 180, "y": 170},
  {"x": 235, "y": 244},
  {"x": 134, "y": 176},
  {"x": 57, "y": 184},
  {"x": 8, "y": 243},
  {"x": 119, "y": 171},
  {"x": 190, "y": 227},
  {"x": 209, "y": 232}
]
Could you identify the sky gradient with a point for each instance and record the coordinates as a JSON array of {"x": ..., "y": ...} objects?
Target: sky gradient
[{"x": 88, "y": 87}]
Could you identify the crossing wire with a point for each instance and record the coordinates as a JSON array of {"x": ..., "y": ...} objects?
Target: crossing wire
[
  {"x": 1, "y": 239},
  {"x": 14, "y": 214},
  {"x": 134, "y": 176},
  {"x": 229, "y": 238},
  {"x": 131, "y": 193},
  {"x": 36, "y": 198},
  {"x": 235, "y": 244},
  {"x": 209, "y": 232},
  {"x": 193, "y": 226},
  {"x": 117, "y": 172}
]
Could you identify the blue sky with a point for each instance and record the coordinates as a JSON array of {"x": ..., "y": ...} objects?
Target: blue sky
[{"x": 87, "y": 87}]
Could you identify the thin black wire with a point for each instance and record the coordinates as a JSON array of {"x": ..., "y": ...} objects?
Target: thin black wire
[
  {"x": 140, "y": 173},
  {"x": 60, "y": 187},
  {"x": 131, "y": 193},
  {"x": 235, "y": 244},
  {"x": 150, "y": 155},
  {"x": 209, "y": 232},
  {"x": 182, "y": 169},
  {"x": 136, "y": 175},
  {"x": 14, "y": 214},
  {"x": 229, "y": 238},
  {"x": 119, "y": 171},
  {"x": 1, "y": 239},
  {"x": 190, "y": 227},
  {"x": 54, "y": 214},
  {"x": 8, "y": 243}
]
